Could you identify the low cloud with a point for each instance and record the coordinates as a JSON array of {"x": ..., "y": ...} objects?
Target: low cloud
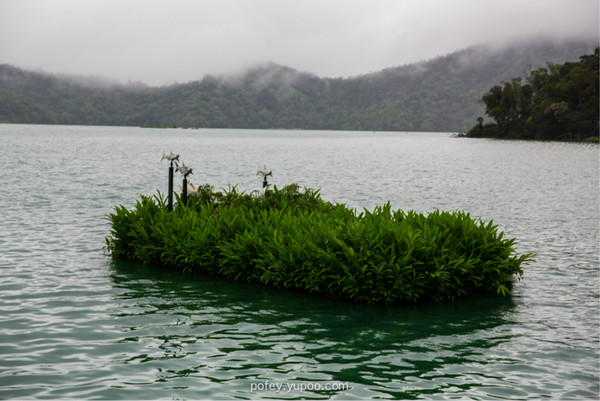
[{"x": 161, "y": 42}]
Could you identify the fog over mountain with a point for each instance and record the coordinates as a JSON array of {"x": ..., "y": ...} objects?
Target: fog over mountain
[
  {"x": 442, "y": 94},
  {"x": 162, "y": 42}
]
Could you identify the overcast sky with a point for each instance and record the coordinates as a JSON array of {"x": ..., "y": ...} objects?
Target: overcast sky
[{"x": 165, "y": 41}]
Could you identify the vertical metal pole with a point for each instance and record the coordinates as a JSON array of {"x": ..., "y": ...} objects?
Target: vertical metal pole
[
  {"x": 171, "y": 187},
  {"x": 184, "y": 191}
]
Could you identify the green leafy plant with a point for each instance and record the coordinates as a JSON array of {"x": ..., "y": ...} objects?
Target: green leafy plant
[{"x": 288, "y": 238}]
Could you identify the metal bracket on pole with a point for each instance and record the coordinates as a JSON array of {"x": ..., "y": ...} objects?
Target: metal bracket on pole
[
  {"x": 265, "y": 173},
  {"x": 171, "y": 157},
  {"x": 185, "y": 171}
]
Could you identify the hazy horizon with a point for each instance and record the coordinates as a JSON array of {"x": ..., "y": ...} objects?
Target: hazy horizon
[{"x": 160, "y": 43}]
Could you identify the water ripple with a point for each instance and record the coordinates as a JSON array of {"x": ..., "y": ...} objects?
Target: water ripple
[{"x": 75, "y": 324}]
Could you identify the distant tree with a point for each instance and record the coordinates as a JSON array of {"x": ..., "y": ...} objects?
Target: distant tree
[
  {"x": 439, "y": 95},
  {"x": 557, "y": 102}
]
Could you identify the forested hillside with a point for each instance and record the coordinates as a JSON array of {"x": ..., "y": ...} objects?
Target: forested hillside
[
  {"x": 559, "y": 102},
  {"x": 442, "y": 94}
]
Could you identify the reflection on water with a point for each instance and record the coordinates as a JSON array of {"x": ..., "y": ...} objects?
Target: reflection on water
[
  {"x": 75, "y": 324},
  {"x": 238, "y": 333}
]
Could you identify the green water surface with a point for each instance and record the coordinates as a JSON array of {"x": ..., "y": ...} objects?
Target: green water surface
[{"x": 76, "y": 324}]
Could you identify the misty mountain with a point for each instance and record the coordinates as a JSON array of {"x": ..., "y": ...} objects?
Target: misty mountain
[{"x": 442, "y": 94}]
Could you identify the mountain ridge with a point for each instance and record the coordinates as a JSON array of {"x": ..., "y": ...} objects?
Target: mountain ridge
[{"x": 441, "y": 94}]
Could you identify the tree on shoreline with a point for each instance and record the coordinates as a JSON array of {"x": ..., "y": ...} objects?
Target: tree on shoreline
[
  {"x": 559, "y": 102},
  {"x": 441, "y": 94}
]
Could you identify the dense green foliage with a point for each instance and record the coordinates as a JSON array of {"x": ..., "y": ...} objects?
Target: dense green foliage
[
  {"x": 438, "y": 95},
  {"x": 292, "y": 239},
  {"x": 557, "y": 102}
]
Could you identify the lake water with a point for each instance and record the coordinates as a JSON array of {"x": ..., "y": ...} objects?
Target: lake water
[{"x": 76, "y": 324}]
